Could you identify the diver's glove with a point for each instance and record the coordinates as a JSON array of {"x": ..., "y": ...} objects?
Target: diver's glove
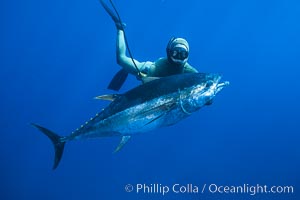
[{"x": 120, "y": 26}]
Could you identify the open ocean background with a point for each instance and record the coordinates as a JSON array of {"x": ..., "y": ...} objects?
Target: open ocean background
[{"x": 57, "y": 55}]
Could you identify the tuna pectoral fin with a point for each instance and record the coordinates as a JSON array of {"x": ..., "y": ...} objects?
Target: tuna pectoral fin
[
  {"x": 124, "y": 140},
  {"x": 162, "y": 109},
  {"x": 56, "y": 140}
]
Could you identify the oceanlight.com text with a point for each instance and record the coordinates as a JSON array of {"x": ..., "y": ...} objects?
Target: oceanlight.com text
[{"x": 250, "y": 189}]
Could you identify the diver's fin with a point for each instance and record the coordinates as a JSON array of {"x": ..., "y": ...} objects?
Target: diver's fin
[
  {"x": 118, "y": 80},
  {"x": 148, "y": 79},
  {"x": 56, "y": 140},
  {"x": 124, "y": 140},
  {"x": 108, "y": 97}
]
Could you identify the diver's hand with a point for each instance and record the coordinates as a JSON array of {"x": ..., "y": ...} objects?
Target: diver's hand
[{"x": 120, "y": 26}]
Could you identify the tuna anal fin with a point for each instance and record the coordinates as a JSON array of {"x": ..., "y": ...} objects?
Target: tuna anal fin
[
  {"x": 57, "y": 143},
  {"x": 124, "y": 140},
  {"x": 108, "y": 97}
]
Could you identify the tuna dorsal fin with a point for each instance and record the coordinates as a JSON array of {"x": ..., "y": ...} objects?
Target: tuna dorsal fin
[
  {"x": 124, "y": 140},
  {"x": 107, "y": 97},
  {"x": 148, "y": 79}
]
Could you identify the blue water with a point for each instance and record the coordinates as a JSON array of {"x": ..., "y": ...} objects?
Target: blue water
[{"x": 57, "y": 55}]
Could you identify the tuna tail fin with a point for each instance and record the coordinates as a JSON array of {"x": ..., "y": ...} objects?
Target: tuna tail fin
[{"x": 57, "y": 142}]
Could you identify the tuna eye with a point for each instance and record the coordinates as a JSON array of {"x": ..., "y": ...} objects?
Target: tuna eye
[{"x": 209, "y": 83}]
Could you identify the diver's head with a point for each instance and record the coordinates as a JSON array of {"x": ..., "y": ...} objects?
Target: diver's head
[{"x": 178, "y": 51}]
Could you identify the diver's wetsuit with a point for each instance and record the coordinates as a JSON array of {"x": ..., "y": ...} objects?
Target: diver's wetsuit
[{"x": 160, "y": 68}]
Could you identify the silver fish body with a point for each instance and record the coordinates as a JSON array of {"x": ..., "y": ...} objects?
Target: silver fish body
[{"x": 158, "y": 103}]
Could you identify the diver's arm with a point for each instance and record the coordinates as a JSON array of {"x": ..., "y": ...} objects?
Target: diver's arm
[
  {"x": 122, "y": 59},
  {"x": 189, "y": 69}
]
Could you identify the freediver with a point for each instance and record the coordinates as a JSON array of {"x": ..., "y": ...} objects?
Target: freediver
[{"x": 174, "y": 63}]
